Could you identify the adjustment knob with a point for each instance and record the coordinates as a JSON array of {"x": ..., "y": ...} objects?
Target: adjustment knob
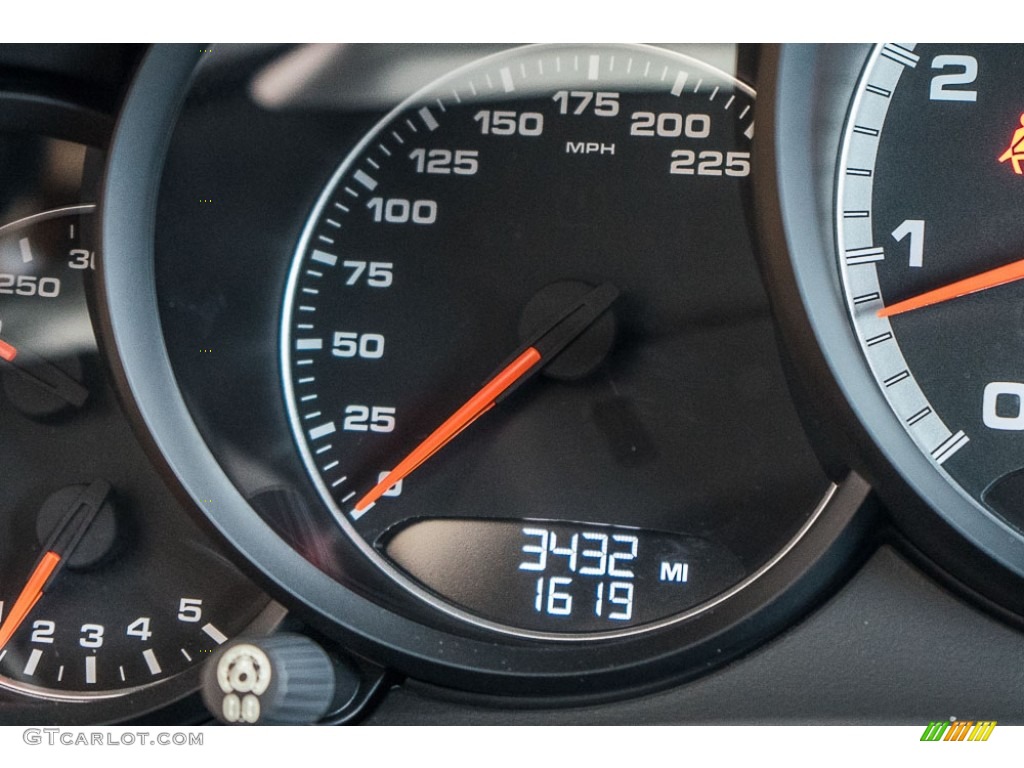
[{"x": 283, "y": 679}]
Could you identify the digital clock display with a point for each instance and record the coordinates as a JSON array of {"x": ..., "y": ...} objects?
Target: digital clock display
[{"x": 561, "y": 577}]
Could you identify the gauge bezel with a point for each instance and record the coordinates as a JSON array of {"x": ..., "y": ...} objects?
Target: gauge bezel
[
  {"x": 797, "y": 181},
  {"x": 445, "y": 653}
]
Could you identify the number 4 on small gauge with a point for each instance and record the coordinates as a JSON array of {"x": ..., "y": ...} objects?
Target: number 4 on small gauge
[
  {"x": 915, "y": 229},
  {"x": 140, "y": 629}
]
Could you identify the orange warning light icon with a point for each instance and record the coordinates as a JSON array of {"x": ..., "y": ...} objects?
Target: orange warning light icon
[{"x": 1015, "y": 152}]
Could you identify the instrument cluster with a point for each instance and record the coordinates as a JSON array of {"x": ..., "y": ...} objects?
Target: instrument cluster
[{"x": 591, "y": 380}]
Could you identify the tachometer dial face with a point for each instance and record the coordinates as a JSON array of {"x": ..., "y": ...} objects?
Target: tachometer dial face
[
  {"x": 105, "y": 587},
  {"x": 931, "y": 242},
  {"x": 517, "y": 349}
]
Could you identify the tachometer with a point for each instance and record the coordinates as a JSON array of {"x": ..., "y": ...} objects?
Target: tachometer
[
  {"x": 534, "y": 430},
  {"x": 930, "y": 235},
  {"x": 902, "y": 171}
]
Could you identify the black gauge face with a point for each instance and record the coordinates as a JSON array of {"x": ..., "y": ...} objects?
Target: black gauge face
[
  {"x": 931, "y": 240},
  {"x": 105, "y": 587},
  {"x": 557, "y": 232}
]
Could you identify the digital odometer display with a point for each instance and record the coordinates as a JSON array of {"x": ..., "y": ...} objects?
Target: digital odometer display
[
  {"x": 529, "y": 293},
  {"x": 539, "y": 574}
]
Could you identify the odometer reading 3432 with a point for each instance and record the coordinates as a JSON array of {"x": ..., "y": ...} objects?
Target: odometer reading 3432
[{"x": 496, "y": 344}]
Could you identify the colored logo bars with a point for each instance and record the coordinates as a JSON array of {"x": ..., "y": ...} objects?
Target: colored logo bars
[{"x": 963, "y": 730}]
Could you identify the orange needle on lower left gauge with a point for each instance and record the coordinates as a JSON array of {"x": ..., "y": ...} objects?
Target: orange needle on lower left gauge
[
  {"x": 29, "y": 595},
  {"x": 58, "y": 547}
]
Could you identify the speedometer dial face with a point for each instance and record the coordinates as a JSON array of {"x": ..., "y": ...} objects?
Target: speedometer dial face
[
  {"x": 931, "y": 239},
  {"x": 517, "y": 349}
]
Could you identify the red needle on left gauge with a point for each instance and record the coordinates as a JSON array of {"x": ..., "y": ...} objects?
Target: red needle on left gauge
[
  {"x": 1007, "y": 273},
  {"x": 562, "y": 329},
  {"x": 58, "y": 547},
  {"x": 44, "y": 375},
  {"x": 7, "y": 351}
]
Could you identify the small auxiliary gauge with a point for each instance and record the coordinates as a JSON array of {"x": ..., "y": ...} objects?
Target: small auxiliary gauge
[{"x": 106, "y": 588}]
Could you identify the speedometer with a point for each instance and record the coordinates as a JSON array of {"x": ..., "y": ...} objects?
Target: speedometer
[
  {"x": 494, "y": 384},
  {"x": 532, "y": 233}
]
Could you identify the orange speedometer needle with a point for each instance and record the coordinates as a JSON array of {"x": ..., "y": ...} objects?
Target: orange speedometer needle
[
  {"x": 473, "y": 409},
  {"x": 58, "y": 547},
  {"x": 990, "y": 279},
  {"x": 556, "y": 335}
]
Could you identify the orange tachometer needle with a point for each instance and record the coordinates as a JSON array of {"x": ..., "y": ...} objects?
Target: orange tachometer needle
[
  {"x": 990, "y": 279},
  {"x": 556, "y": 335},
  {"x": 58, "y": 547}
]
